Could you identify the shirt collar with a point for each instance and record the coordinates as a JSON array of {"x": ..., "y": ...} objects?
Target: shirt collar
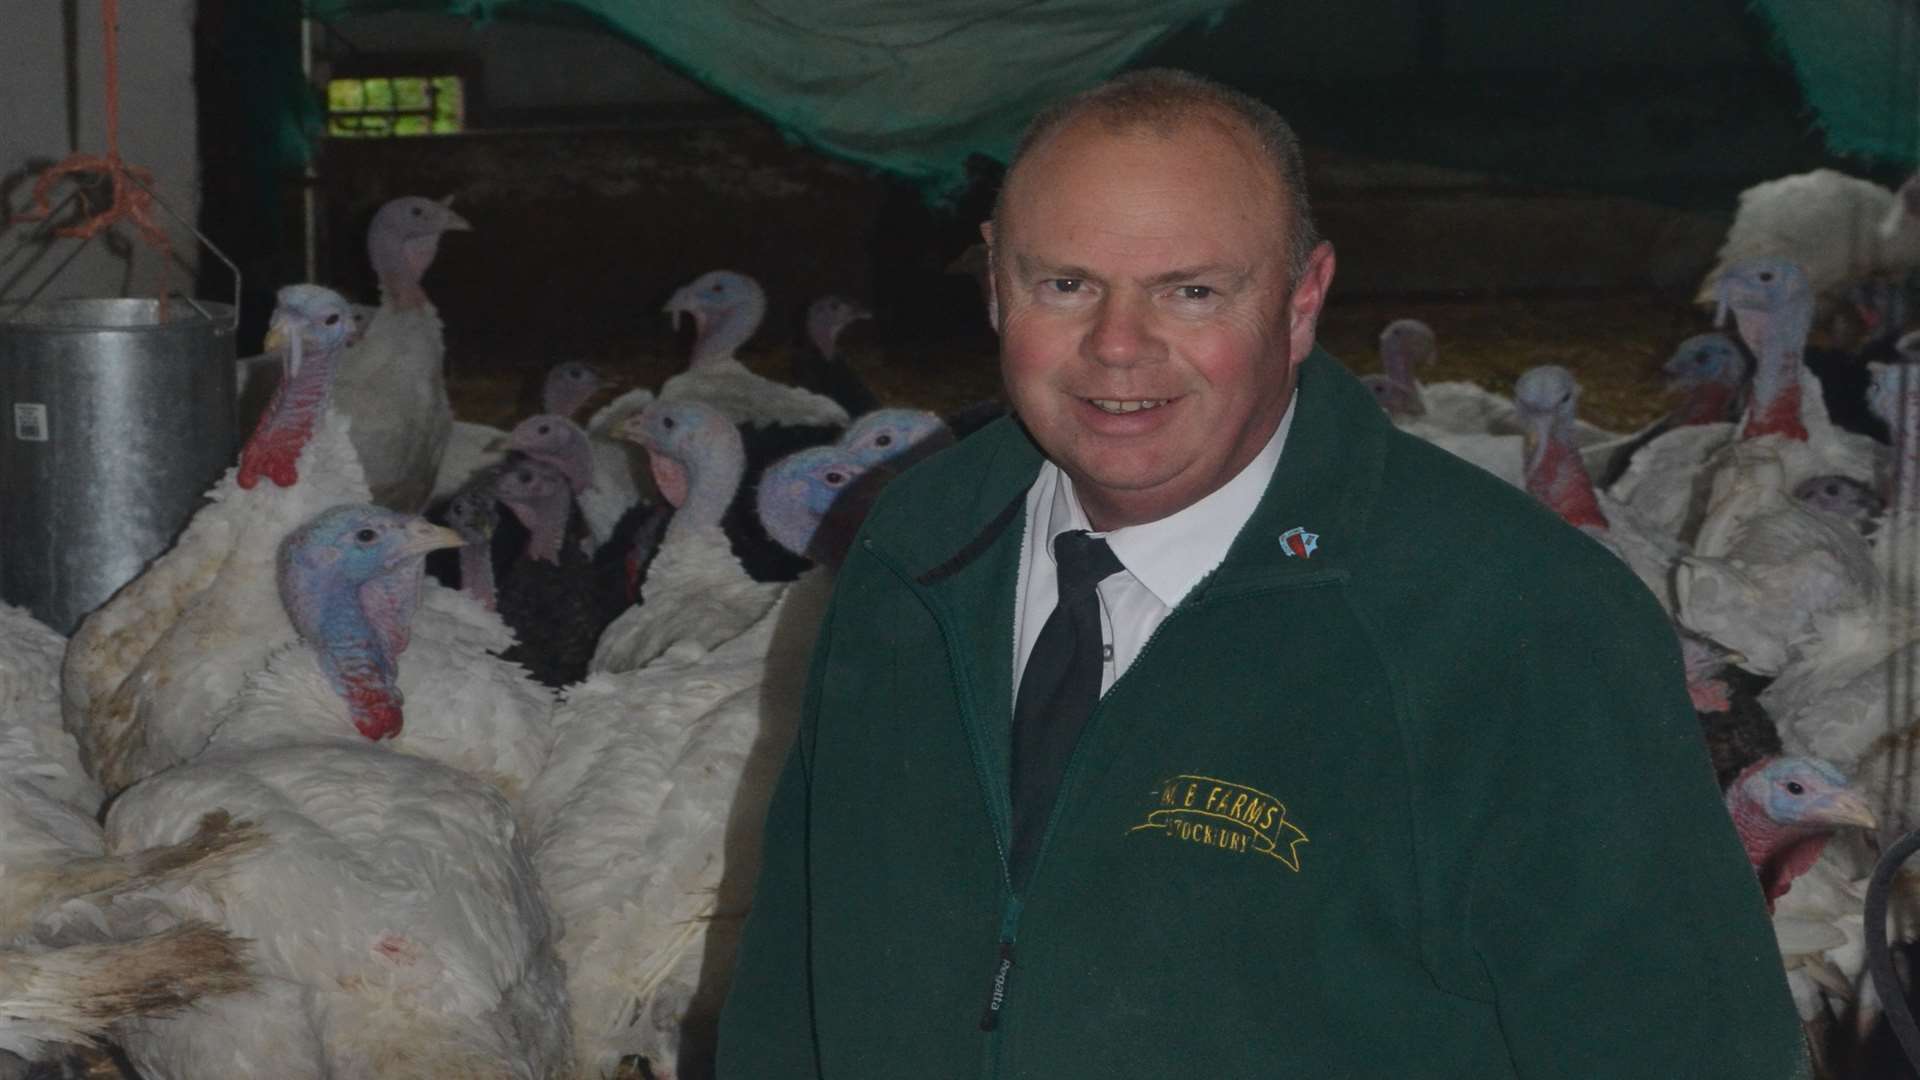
[{"x": 1171, "y": 555}]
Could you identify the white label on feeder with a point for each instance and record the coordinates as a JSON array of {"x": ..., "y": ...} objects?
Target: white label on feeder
[{"x": 29, "y": 422}]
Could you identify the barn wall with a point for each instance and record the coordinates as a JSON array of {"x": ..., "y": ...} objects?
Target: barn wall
[{"x": 44, "y": 82}]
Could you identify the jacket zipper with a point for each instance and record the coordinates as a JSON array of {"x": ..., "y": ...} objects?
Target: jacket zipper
[{"x": 1000, "y": 985}]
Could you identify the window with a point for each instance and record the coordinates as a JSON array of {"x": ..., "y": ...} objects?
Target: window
[{"x": 390, "y": 105}]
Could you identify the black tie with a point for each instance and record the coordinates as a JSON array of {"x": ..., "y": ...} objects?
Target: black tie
[{"x": 1058, "y": 691}]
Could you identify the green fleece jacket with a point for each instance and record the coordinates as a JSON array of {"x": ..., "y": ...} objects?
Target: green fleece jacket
[{"x": 1428, "y": 801}]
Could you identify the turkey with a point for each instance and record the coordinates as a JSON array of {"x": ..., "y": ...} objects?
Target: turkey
[
  {"x": 648, "y": 831},
  {"x": 1853, "y": 700},
  {"x": 650, "y": 813},
  {"x": 899, "y": 437},
  {"x": 471, "y": 447},
  {"x": 1785, "y": 810},
  {"x": 818, "y": 364},
  {"x": 392, "y": 385},
  {"x": 556, "y": 597},
  {"x": 397, "y": 927},
  {"x": 1449, "y": 408},
  {"x": 1840, "y": 228},
  {"x": 1545, "y": 399},
  {"x": 726, "y": 308},
  {"x": 1786, "y": 434},
  {"x": 695, "y": 589},
  {"x": 1845, "y": 498},
  {"x": 1780, "y": 582},
  {"x": 163, "y": 711},
  {"x": 1657, "y": 467},
  {"x": 1881, "y": 307},
  {"x": 68, "y": 984}
]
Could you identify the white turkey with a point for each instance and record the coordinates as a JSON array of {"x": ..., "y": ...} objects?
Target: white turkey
[
  {"x": 1452, "y": 408},
  {"x": 67, "y": 985},
  {"x": 695, "y": 588},
  {"x": 726, "y": 308},
  {"x": 1854, "y": 699},
  {"x": 1840, "y": 229},
  {"x": 396, "y": 925},
  {"x": 650, "y": 812},
  {"x": 1545, "y": 400},
  {"x": 299, "y": 462},
  {"x": 392, "y": 383}
]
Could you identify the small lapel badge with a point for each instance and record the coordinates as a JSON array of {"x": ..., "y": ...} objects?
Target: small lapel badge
[{"x": 1298, "y": 543}]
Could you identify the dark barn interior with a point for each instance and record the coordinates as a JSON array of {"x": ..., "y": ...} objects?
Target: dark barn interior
[{"x": 1538, "y": 184}]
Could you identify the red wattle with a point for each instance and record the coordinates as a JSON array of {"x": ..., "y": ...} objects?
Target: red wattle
[
  {"x": 1779, "y": 416},
  {"x": 375, "y": 712},
  {"x": 272, "y": 453},
  {"x": 1561, "y": 481},
  {"x": 1707, "y": 404}
]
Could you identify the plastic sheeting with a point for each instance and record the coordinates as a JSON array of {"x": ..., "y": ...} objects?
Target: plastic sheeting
[{"x": 911, "y": 86}]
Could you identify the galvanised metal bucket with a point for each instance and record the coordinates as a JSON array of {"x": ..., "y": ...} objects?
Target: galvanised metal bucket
[{"x": 113, "y": 423}]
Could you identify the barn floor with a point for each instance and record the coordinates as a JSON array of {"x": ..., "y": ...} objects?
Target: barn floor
[{"x": 1614, "y": 343}]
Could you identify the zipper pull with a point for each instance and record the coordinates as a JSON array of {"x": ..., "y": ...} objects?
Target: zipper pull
[{"x": 997, "y": 994}]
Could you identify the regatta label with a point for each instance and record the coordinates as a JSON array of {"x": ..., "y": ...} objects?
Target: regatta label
[{"x": 1220, "y": 814}]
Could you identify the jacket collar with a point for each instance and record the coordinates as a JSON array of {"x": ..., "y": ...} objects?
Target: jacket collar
[{"x": 1326, "y": 484}]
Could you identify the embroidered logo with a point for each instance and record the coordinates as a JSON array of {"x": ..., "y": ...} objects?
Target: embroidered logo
[
  {"x": 1298, "y": 543},
  {"x": 1225, "y": 815}
]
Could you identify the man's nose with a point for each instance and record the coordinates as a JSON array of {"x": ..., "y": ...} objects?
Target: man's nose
[{"x": 1122, "y": 333}]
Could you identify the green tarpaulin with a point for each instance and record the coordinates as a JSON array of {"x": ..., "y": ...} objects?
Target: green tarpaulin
[
  {"x": 906, "y": 85},
  {"x": 1858, "y": 62}
]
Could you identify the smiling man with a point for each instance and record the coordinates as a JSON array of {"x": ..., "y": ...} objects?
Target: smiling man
[{"x": 1198, "y": 722}]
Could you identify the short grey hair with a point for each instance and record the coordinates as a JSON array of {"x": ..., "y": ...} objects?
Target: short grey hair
[{"x": 1163, "y": 100}]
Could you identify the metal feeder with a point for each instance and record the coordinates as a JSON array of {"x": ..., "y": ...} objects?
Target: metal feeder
[{"x": 116, "y": 416}]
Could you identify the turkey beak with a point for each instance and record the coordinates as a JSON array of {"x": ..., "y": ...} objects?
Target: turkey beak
[
  {"x": 277, "y": 335},
  {"x": 633, "y": 429},
  {"x": 1849, "y": 808},
  {"x": 678, "y": 306},
  {"x": 499, "y": 445},
  {"x": 423, "y": 536},
  {"x": 1721, "y": 301},
  {"x": 454, "y": 222},
  {"x": 1533, "y": 439}
]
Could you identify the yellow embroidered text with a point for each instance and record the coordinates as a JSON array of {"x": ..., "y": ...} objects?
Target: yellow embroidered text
[{"x": 1225, "y": 815}]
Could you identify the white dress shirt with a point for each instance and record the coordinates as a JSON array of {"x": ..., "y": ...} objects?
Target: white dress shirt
[{"x": 1163, "y": 559}]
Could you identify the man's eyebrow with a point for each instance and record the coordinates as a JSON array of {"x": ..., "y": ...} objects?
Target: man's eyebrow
[
  {"x": 1029, "y": 266},
  {"x": 1231, "y": 276}
]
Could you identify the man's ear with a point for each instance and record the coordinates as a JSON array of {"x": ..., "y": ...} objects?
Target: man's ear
[
  {"x": 993, "y": 285},
  {"x": 1309, "y": 295}
]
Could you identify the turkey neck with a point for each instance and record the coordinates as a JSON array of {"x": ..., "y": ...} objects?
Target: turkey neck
[
  {"x": 1397, "y": 360},
  {"x": 562, "y": 397},
  {"x": 1707, "y": 402},
  {"x": 727, "y": 330},
  {"x": 354, "y": 654},
  {"x": 476, "y": 574},
  {"x": 1778, "y": 339},
  {"x": 400, "y": 262},
  {"x": 545, "y": 518},
  {"x": 1778, "y": 853},
  {"x": 298, "y": 403},
  {"x": 713, "y": 478},
  {"x": 1558, "y": 478}
]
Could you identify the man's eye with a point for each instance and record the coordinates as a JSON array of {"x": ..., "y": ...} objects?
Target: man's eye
[
  {"x": 1065, "y": 285},
  {"x": 1195, "y": 292}
]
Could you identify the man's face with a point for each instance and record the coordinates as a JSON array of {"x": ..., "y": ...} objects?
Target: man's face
[{"x": 1148, "y": 338}]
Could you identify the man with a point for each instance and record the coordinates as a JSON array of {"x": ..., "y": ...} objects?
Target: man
[{"x": 1391, "y": 774}]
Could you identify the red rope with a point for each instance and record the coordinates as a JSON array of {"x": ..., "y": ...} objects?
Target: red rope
[{"x": 132, "y": 195}]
